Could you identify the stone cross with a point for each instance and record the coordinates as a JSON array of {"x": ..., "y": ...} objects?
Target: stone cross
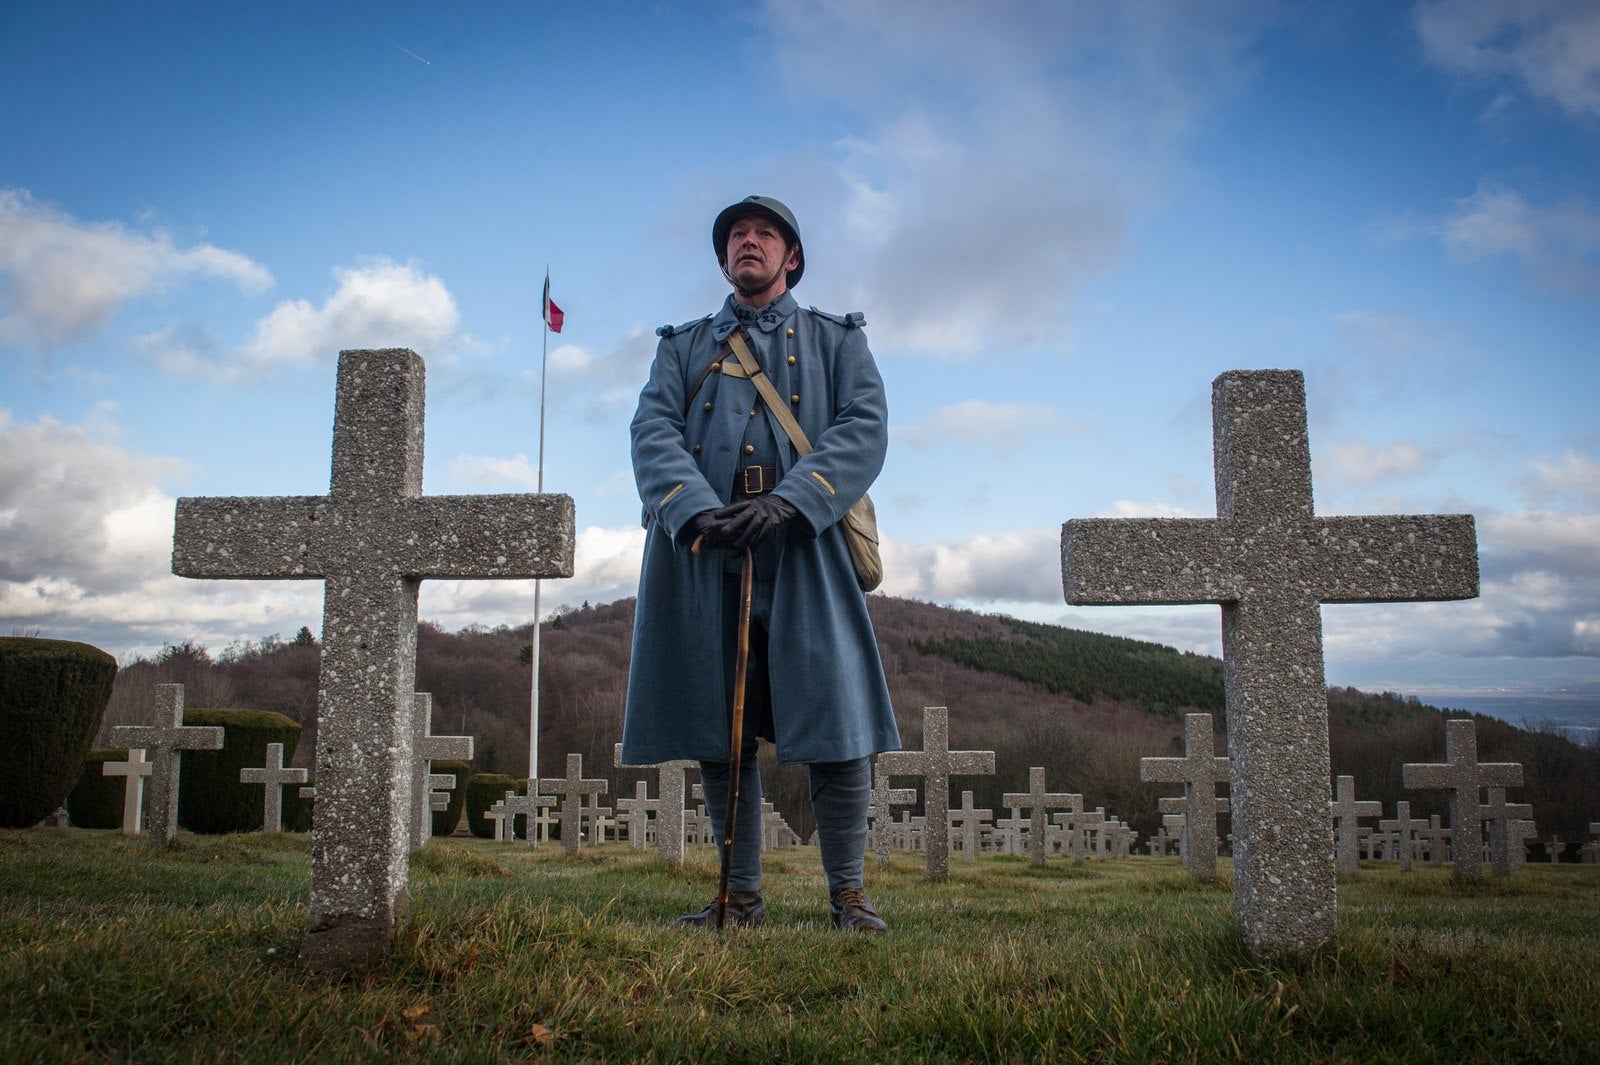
[
  {"x": 1073, "y": 821},
  {"x": 1200, "y": 770},
  {"x": 135, "y": 769},
  {"x": 531, "y": 806},
  {"x": 274, "y": 776},
  {"x": 372, "y": 540},
  {"x": 1554, "y": 849},
  {"x": 165, "y": 740},
  {"x": 671, "y": 827},
  {"x": 635, "y": 814},
  {"x": 1038, "y": 803},
  {"x": 1406, "y": 830},
  {"x": 970, "y": 824},
  {"x": 884, "y": 800},
  {"x": 499, "y": 815},
  {"x": 1271, "y": 562},
  {"x": 426, "y": 748},
  {"x": 572, "y": 788},
  {"x": 936, "y": 763},
  {"x": 1506, "y": 851},
  {"x": 1347, "y": 812},
  {"x": 1437, "y": 839},
  {"x": 1465, "y": 778}
]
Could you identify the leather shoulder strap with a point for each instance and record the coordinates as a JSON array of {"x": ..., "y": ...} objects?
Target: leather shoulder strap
[{"x": 780, "y": 409}]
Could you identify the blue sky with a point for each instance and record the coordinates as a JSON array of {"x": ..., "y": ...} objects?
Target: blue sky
[{"x": 1062, "y": 221}]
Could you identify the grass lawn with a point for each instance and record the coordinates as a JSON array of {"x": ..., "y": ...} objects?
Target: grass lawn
[{"x": 110, "y": 950}]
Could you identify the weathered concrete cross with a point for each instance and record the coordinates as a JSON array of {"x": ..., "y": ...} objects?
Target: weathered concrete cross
[
  {"x": 881, "y": 812},
  {"x": 372, "y": 540},
  {"x": 970, "y": 824},
  {"x": 936, "y": 763},
  {"x": 671, "y": 828},
  {"x": 135, "y": 769},
  {"x": 531, "y": 807},
  {"x": 1039, "y": 803},
  {"x": 572, "y": 788},
  {"x": 1407, "y": 830},
  {"x": 1347, "y": 812},
  {"x": 1270, "y": 562},
  {"x": 1506, "y": 851},
  {"x": 166, "y": 739},
  {"x": 274, "y": 776},
  {"x": 1466, "y": 778},
  {"x": 635, "y": 813},
  {"x": 425, "y": 748},
  {"x": 1200, "y": 770}
]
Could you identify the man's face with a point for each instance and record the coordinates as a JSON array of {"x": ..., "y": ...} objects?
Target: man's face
[{"x": 757, "y": 256}]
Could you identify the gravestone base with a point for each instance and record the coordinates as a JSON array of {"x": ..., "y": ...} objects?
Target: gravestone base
[{"x": 348, "y": 941}]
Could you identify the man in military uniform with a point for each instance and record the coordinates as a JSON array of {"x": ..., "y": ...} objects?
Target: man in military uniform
[{"x": 718, "y": 474}]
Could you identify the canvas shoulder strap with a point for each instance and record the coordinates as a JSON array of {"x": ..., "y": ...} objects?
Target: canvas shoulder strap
[{"x": 775, "y": 403}]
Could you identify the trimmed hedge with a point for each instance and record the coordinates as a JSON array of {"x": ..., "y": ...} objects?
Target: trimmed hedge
[
  {"x": 483, "y": 791},
  {"x": 53, "y": 694},
  {"x": 445, "y": 821},
  {"x": 96, "y": 799},
  {"x": 211, "y": 799}
]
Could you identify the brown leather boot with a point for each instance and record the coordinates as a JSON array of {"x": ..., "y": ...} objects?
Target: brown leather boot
[
  {"x": 745, "y": 910},
  {"x": 851, "y": 910}
]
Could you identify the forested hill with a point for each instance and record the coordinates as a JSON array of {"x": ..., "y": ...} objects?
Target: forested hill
[{"x": 1084, "y": 706}]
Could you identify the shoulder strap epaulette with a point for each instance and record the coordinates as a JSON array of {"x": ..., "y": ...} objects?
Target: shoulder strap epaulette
[
  {"x": 674, "y": 330},
  {"x": 853, "y": 320}
]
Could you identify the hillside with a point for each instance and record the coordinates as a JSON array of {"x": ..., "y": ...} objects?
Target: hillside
[{"x": 1083, "y": 705}]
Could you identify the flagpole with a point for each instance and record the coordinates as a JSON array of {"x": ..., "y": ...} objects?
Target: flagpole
[{"x": 533, "y": 701}]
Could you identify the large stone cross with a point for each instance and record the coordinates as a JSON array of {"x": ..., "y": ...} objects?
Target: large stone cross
[
  {"x": 1039, "y": 803},
  {"x": 274, "y": 776},
  {"x": 166, "y": 739},
  {"x": 133, "y": 771},
  {"x": 1200, "y": 770},
  {"x": 572, "y": 788},
  {"x": 1347, "y": 811},
  {"x": 372, "y": 540},
  {"x": 936, "y": 763},
  {"x": 1271, "y": 562},
  {"x": 425, "y": 748},
  {"x": 1465, "y": 778}
]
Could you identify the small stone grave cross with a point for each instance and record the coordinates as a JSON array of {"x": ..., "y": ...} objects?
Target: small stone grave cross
[
  {"x": 165, "y": 740},
  {"x": 372, "y": 539},
  {"x": 884, "y": 800},
  {"x": 274, "y": 776},
  {"x": 1465, "y": 778},
  {"x": 1200, "y": 770},
  {"x": 571, "y": 789},
  {"x": 532, "y": 807},
  {"x": 1506, "y": 851},
  {"x": 671, "y": 826},
  {"x": 634, "y": 814},
  {"x": 1347, "y": 812},
  {"x": 936, "y": 763},
  {"x": 1271, "y": 562},
  {"x": 1038, "y": 803},
  {"x": 970, "y": 824},
  {"x": 499, "y": 815},
  {"x": 425, "y": 749},
  {"x": 1407, "y": 830},
  {"x": 134, "y": 770}
]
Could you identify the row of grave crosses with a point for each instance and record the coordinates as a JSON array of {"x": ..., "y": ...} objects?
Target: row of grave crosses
[{"x": 1266, "y": 559}]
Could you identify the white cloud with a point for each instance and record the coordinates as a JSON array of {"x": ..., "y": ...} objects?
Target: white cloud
[
  {"x": 61, "y": 278},
  {"x": 998, "y": 428},
  {"x": 1024, "y": 566},
  {"x": 1573, "y": 476},
  {"x": 1557, "y": 243},
  {"x": 1358, "y": 462},
  {"x": 1548, "y": 48},
  {"x": 968, "y": 221},
  {"x": 378, "y": 304},
  {"x": 485, "y": 471}
]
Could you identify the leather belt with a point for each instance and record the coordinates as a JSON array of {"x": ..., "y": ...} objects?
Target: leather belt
[{"x": 754, "y": 480}]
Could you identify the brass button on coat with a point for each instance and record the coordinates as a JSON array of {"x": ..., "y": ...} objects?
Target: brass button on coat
[
  {"x": 794, "y": 400},
  {"x": 708, "y": 404},
  {"x": 791, "y": 360},
  {"x": 791, "y": 330},
  {"x": 749, "y": 449}
]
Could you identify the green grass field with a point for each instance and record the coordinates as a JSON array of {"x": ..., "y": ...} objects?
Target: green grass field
[{"x": 112, "y": 951}]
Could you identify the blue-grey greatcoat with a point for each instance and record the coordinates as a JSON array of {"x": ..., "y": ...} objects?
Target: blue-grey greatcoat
[{"x": 830, "y": 701}]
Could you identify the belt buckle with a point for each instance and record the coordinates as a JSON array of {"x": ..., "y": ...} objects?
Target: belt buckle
[{"x": 760, "y": 479}]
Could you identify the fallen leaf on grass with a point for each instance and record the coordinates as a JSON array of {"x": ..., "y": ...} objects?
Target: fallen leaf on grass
[{"x": 542, "y": 1036}]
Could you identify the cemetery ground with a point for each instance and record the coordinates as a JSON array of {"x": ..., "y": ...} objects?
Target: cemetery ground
[{"x": 114, "y": 950}]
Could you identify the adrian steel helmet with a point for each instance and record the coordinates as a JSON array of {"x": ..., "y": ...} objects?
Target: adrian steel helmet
[{"x": 772, "y": 209}]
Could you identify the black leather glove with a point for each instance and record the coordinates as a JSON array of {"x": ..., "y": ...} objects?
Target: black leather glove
[
  {"x": 705, "y": 530},
  {"x": 747, "y": 524}
]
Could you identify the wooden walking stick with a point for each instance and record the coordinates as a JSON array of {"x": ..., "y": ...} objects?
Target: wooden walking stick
[{"x": 730, "y": 814}]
